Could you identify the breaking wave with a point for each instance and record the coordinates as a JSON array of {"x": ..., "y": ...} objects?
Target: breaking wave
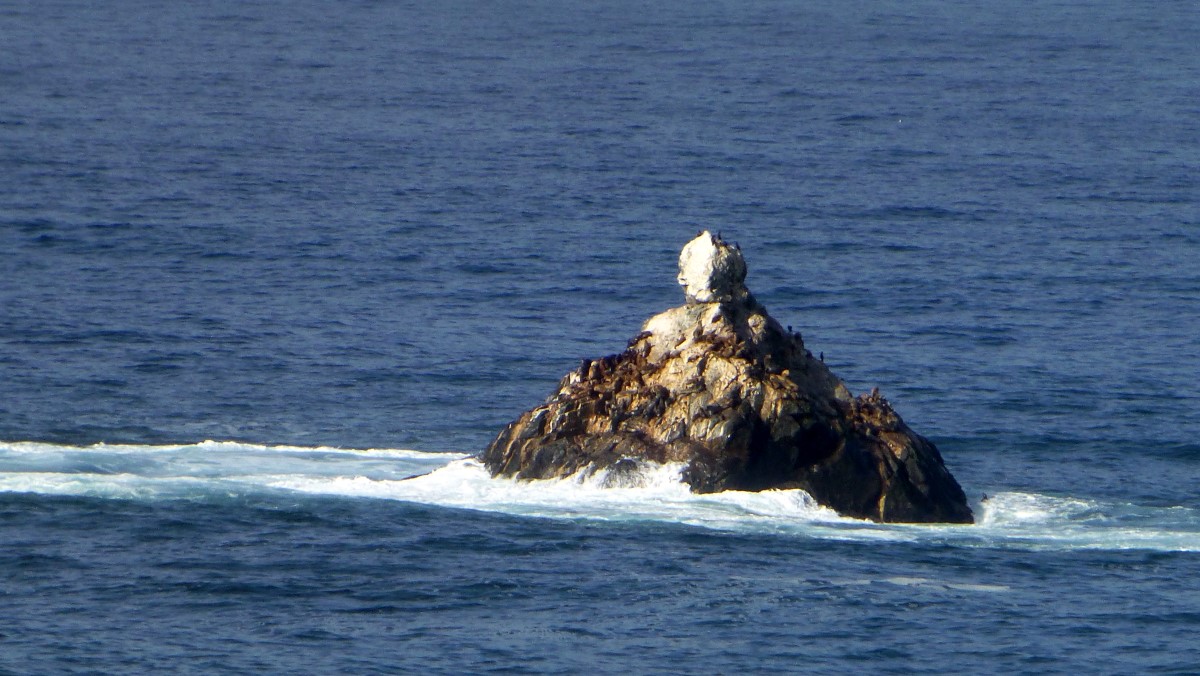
[{"x": 220, "y": 470}]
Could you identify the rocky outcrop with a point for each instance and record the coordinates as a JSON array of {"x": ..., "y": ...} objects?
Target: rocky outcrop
[{"x": 720, "y": 387}]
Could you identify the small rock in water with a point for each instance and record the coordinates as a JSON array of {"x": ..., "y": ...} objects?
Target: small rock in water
[{"x": 719, "y": 386}]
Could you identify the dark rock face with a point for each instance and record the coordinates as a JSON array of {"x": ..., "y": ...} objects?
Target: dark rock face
[{"x": 721, "y": 388}]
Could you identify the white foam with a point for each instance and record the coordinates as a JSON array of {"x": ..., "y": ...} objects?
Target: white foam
[
  {"x": 191, "y": 470},
  {"x": 658, "y": 494},
  {"x": 115, "y": 486},
  {"x": 1023, "y": 509},
  {"x": 217, "y": 469},
  {"x": 41, "y": 448}
]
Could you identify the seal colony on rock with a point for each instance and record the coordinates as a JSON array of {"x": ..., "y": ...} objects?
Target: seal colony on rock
[{"x": 720, "y": 387}]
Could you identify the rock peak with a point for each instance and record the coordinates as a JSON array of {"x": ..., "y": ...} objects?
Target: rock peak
[{"x": 711, "y": 270}]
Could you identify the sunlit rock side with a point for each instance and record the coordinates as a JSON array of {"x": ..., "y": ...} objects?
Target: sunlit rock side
[{"x": 719, "y": 386}]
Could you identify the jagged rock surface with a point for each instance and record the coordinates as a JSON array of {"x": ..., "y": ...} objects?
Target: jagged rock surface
[{"x": 721, "y": 387}]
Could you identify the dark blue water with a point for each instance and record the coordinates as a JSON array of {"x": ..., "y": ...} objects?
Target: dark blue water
[{"x": 306, "y": 227}]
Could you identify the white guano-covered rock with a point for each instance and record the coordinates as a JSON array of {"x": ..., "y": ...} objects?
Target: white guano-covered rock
[{"x": 711, "y": 271}]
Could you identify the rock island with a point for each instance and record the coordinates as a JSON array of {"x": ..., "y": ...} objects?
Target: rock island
[{"x": 721, "y": 388}]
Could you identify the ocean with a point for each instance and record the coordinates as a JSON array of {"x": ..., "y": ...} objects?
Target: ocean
[{"x": 265, "y": 262}]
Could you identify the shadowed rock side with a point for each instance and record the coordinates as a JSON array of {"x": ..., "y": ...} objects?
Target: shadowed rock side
[{"x": 719, "y": 386}]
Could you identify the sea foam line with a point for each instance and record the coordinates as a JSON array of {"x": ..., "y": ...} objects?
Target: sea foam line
[
  {"x": 38, "y": 447},
  {"x": 218, "y": 469}
]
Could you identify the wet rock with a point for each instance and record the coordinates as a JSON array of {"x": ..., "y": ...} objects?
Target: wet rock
[{"x": 720, "y": 387}]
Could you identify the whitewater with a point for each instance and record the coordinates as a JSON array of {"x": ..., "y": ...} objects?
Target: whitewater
[{"x": 215, "y": 471}]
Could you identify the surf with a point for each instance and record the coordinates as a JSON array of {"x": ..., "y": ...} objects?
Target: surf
[{"x": 218, "y": 470}]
